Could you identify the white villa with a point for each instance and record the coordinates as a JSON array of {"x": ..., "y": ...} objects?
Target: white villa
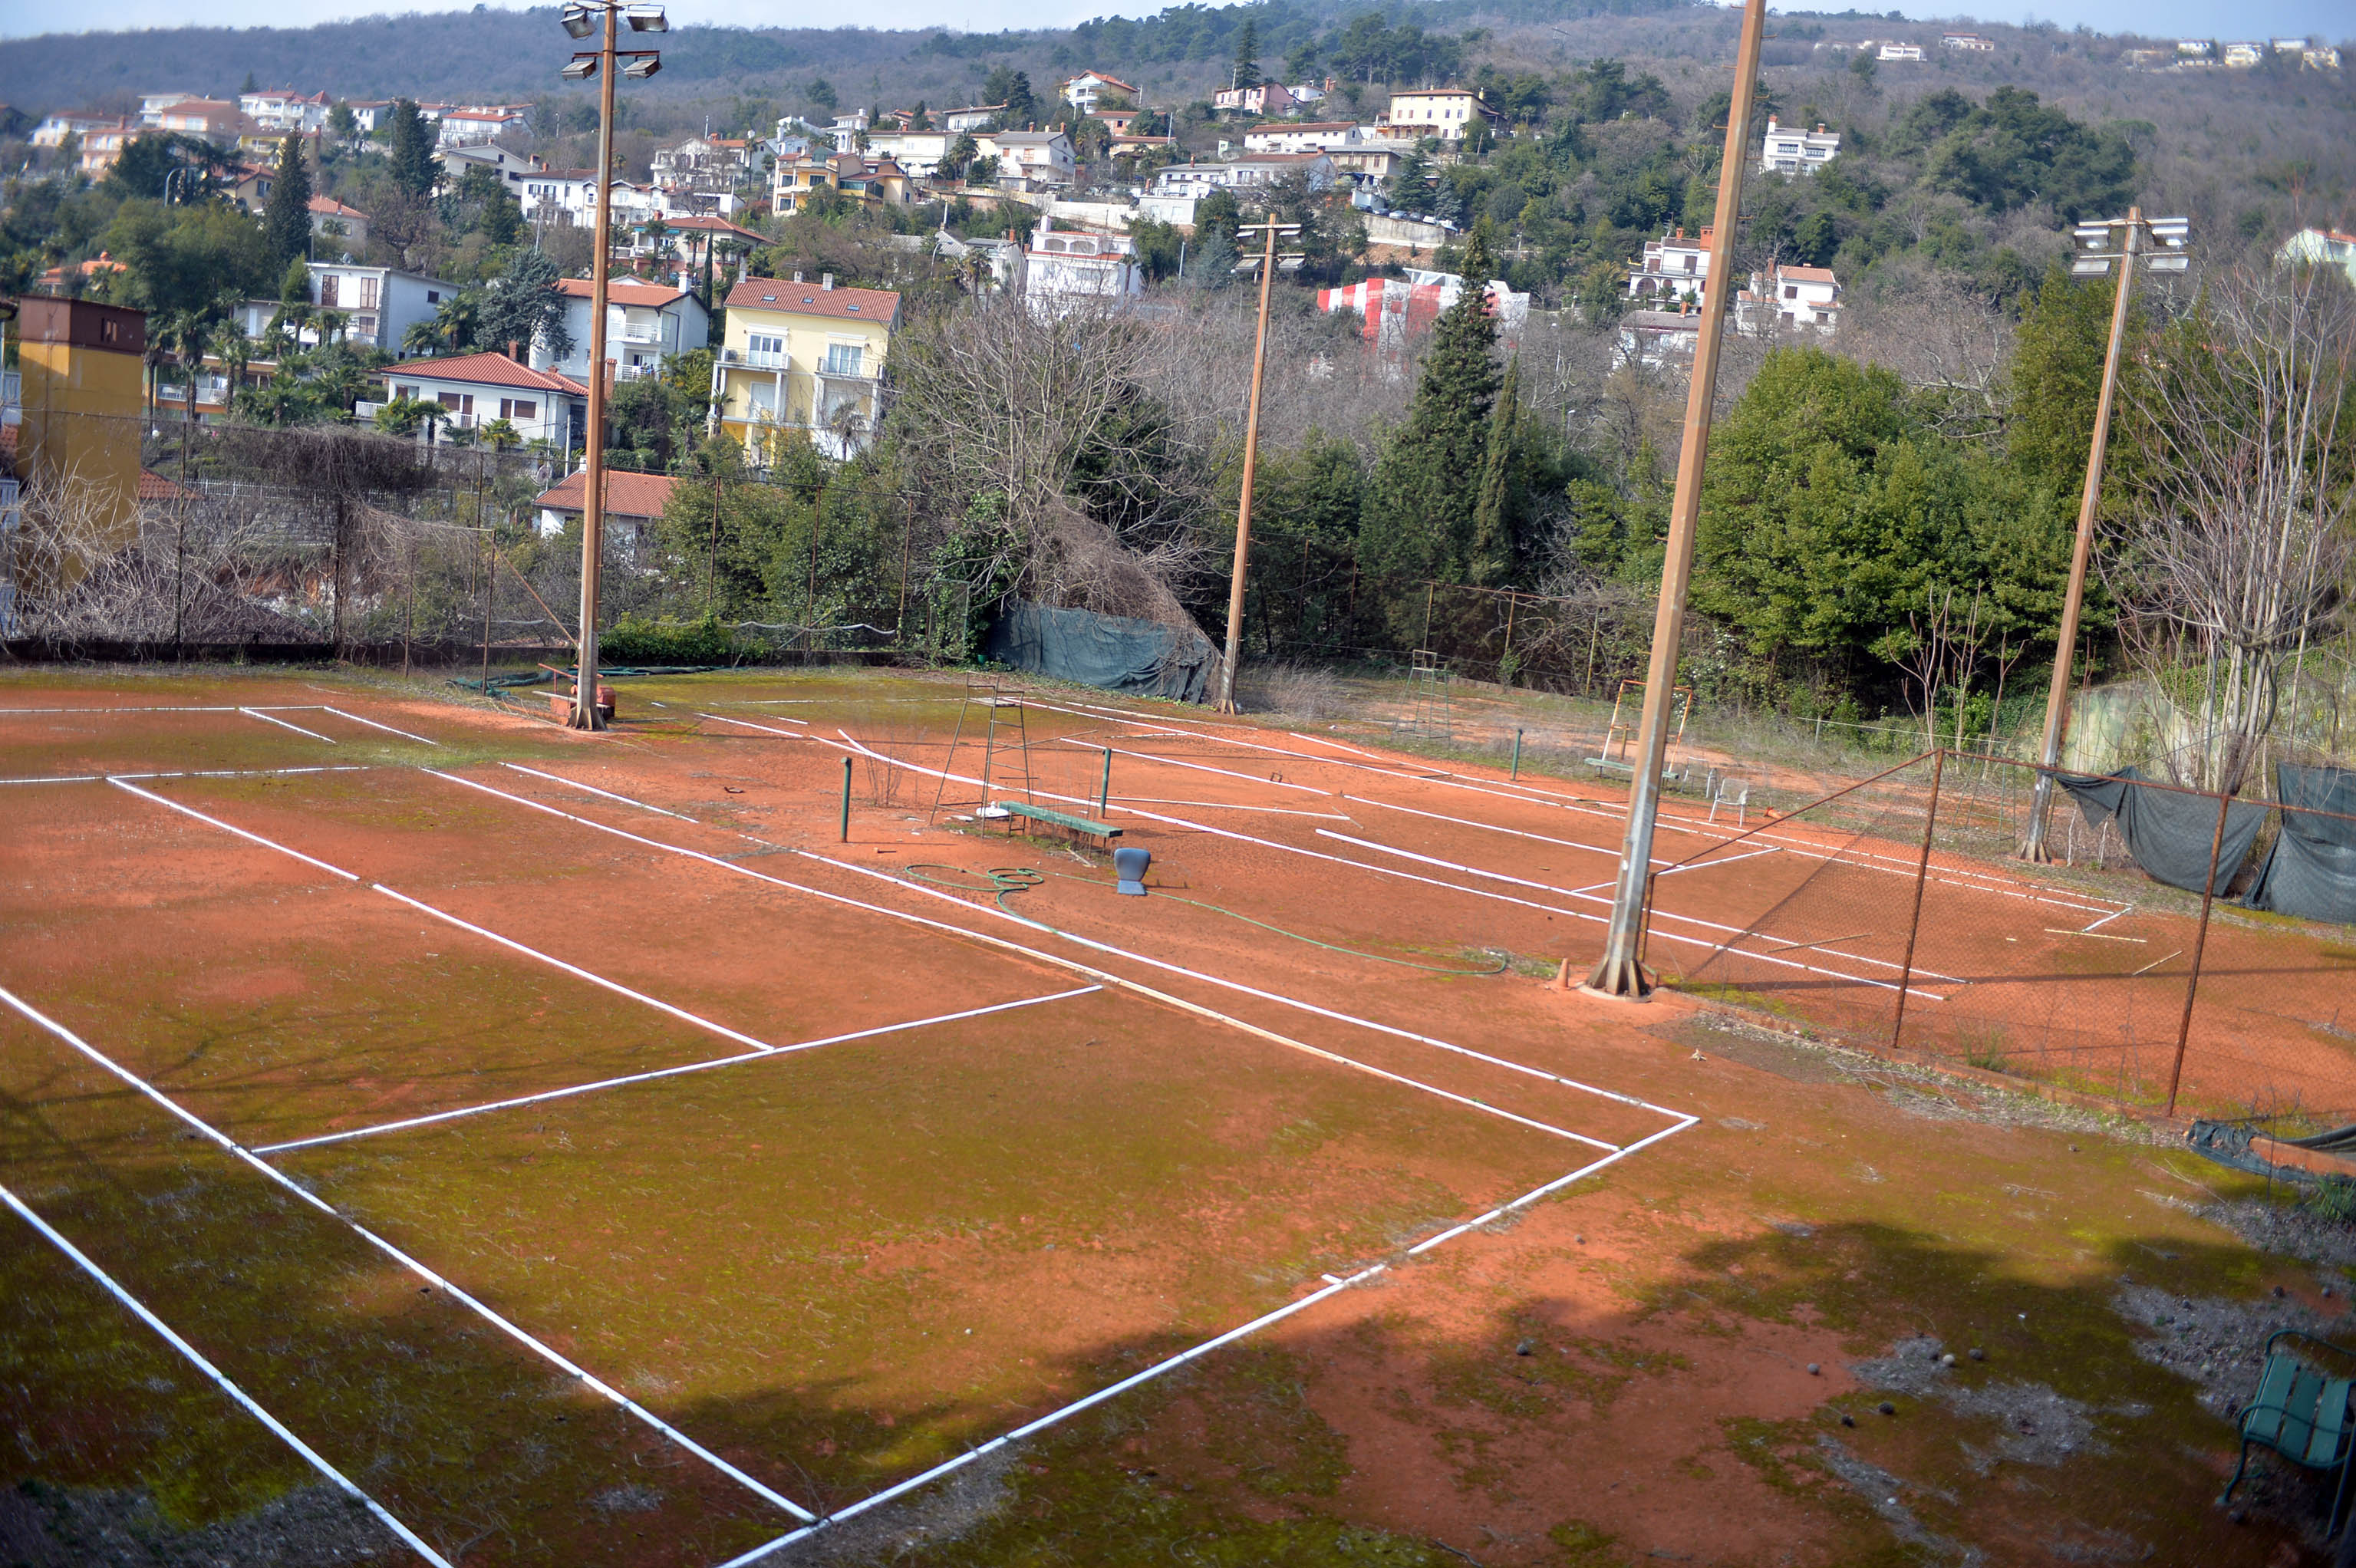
[{"x": 1792, "y": 150}]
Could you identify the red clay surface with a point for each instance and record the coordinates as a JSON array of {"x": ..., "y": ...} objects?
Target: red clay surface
[{"x": 773, "y": 1255}]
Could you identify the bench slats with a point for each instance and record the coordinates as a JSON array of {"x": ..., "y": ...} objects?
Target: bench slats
[
  {"x": 1058, "y": 818},
  {"x": 2299, "y": 1413}
]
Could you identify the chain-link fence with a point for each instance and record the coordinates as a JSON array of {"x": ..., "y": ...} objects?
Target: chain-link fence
[{"x": 2188, "y": 951}]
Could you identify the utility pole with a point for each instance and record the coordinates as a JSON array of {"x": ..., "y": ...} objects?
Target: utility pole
[
  {"x": 579, "y": 17},
  {"x": 1620, "y": 972},
  {"x": 1251, "y": 458},
  {"x": 2095, "y": 260}
]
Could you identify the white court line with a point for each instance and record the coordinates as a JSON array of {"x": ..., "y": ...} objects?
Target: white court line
[
  {"x": 1735, "y": 932},
  {"x": 1228, "y": 805},
  {"x": 593, "y": 789},
  {"x": 723, "y": 1030},
  {"x": 266, "y": 719},
  {"x": 1320, "y": 741},
  {"x": 747, "y": 723},
  {"x": 1713, "y": 865},
  {"x": 1867, "y": 859},
  {"x": 1429, "y": 881},
  {"x": 549, "y": 1353},
  {"x": 1334, "y": 1286},
  {"x": 1493, "y": 828},
  {"x": 672, "y": 1072},
  {"x": 1096, "y": 973},
  {"x": 241, "y": 833},
  {"x": 992, "y": 910},
  {"x": 374, "y": 725},
  {"x": 221, "y": 1381},
  {"x": 1174, "y": 762},
  {"x": 195, "y": 773}
]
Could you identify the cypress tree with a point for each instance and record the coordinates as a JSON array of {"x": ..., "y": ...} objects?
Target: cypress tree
[
  {"x": 1246, "y": 72},
  {"x": 1492, "y": 555},
  {"x": 412, "y": 149},
  {"x": 287, "y": 217},
  {"x": 1419, "y": 513}
]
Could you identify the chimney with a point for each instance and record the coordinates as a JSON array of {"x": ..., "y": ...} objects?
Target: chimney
[
  {"x": 825, "y": 280},
  {"x": 511, "y": 351},
  {"x": 798, "y": 277}
]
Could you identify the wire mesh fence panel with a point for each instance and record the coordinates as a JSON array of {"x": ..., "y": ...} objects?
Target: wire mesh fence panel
[
  {"x": 2108, "y": 972},
  {"x": 1803, "y": 913}
]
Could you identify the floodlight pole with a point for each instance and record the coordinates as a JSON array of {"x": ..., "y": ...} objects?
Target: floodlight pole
[
  {"x": 1243, "y": 508},
  {"x": 1620, "y": 972},
  {"x": 2056, "y": 695},
  {"x": 592, "y": 487}
]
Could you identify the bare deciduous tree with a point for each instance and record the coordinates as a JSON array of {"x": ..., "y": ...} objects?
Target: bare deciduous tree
[{"x": 2236, "y": 549}]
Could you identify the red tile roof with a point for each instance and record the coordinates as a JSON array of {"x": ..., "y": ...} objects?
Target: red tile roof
[
  {"x": 810, "y": 299},
  {"x": 621, "y": 291},
  {"x": 626, "y": 495},
  {"x": 154, "y": 487},
  {"x": 485, "y": 370},
  {"x": 327, "y": 206},
  {"x": 1807, "y": 274}
]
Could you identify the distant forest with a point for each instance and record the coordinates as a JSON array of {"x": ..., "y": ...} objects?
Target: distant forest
[{"x": 513, "y": 55}]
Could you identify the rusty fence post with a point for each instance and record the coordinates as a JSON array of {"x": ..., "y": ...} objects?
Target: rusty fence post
[
  {"x": 1922, "y": 880},
  {"x": 2200, "y": 941}
]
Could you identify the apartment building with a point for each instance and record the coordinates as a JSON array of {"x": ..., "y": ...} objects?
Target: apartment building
[{"x": 802, "y": 360}]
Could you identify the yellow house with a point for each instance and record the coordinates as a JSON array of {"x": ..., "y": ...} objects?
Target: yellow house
[
  {"x": 805, "y": 358},
  {"x": 83, "y": 394}
]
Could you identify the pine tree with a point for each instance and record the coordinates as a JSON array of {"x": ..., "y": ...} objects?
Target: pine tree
[
  {"x": 412, "y": 157},
  {"x": 1492, "y": 555},
  {"x": 1246, "y": 69},
  {"x": 286, "y": 217},
  {"x": 1427, "y": 482}
]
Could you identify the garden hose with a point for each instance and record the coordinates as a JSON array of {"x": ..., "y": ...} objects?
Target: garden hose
[{"x": 1002, "y": 881}]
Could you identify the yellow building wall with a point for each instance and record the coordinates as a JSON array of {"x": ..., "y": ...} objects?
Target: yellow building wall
[
  {"x": 806, "y": 339},
  {"x": 83, "y": 408}
]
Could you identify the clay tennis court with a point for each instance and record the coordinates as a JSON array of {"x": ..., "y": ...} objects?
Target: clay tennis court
[{"x": 590, "y": 1155}]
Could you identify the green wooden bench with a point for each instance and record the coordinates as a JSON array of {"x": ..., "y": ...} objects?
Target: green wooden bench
[
  {"x": 2300, "y": 1412},
  {"x": 1079, "y": 828}
]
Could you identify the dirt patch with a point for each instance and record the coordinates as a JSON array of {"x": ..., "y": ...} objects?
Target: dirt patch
[
  {"x": 2041, "y": 1426},
  {"x": 931, "y": 1518},
  {"x": 50, "y": 1527},
  {"x": 2288, "y": 1230}
]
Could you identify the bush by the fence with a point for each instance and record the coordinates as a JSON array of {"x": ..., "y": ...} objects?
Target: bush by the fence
[{"x": 635, "y": 640}]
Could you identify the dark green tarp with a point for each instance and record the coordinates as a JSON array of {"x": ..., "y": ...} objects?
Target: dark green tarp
[
  {"x": 1115, "y": 652},
  {"x": 2168, "y": 831},
  {"x": 2312, "y": 869}
]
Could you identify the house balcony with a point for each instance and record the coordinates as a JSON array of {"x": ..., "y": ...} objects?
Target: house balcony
[{"x": 748, "y": 359}]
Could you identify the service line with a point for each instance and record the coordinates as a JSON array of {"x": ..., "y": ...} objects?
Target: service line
[
  {"x": 238, "y": 1151},
  {"x": 220, "y": 1380},
  {"x": 765, "y": 1053},
  {"x": 283, "y": 724}
]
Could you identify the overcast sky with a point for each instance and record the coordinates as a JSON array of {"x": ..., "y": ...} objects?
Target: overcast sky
[{"x": 20, "y": 19}]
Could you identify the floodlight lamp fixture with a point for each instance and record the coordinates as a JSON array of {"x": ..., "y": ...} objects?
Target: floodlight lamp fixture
[
  {"x": 2090, "y": 267},
  {"x": 2176, "y": 261},
  {"x": 2173, "y": 232},
  {"x": 643, "y": 18},
  {"x": 578, "y": 19},
  {"x": 642, "y": 67},
  {"x": 580, "y": 69},
  {"x": 2094, "y": 236}
]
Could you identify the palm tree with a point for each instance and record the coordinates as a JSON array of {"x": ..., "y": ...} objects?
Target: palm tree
[
  {"x": 500, "y": 435},
  {"x": 422, "y": 338},
  {"x": 230, "y": 345},
  {"x": 332, "y": 326}
]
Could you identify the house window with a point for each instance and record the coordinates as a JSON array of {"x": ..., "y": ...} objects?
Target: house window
[
  {"x": 432, "y": 296},
  {"x": 523, "y": 409},
  {"x": 1690, "y": 263},
  {"x": 1791, "y": 291},
  {"x": 763, "y": 343},
  {"x": 368, "y": 294},
  {"x": 460, "y": 403},
  {"x": 400, "y": 392},
  {"x": 327, "y": 282}
]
